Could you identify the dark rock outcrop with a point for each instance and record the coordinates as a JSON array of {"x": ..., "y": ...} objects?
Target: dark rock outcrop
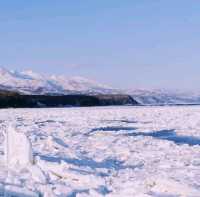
[{"x": 13, "y": 99}]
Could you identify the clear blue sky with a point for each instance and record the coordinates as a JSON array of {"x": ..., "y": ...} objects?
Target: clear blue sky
[{"x": 124, "y": 43}]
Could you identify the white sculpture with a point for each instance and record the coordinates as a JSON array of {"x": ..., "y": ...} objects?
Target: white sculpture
[{"x": 18, "y": 149}]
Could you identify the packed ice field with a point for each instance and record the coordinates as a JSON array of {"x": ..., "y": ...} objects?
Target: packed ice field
[{"x": 104, "y": 151}]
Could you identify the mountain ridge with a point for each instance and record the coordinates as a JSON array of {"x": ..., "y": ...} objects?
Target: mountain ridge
[
  {"x": 164, "y": 97},
  {"x": 31, "y": 83},
  {"x": 28, "y": 82}
]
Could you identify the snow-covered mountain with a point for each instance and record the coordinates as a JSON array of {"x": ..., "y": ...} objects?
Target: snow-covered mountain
[
  {"x": 28, "y": 82},
  {"x": 164, "y": 97}
]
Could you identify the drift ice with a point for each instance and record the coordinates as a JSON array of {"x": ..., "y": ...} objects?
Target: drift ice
[{"x": 18, "y": 150}]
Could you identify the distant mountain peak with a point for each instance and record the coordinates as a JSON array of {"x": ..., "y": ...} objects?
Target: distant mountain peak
[
  {"x": 30, "y": 82},
  {"x": 164, "y": 96}
]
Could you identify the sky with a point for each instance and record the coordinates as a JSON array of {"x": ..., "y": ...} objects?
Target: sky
[{"x": 125, "y": 44}]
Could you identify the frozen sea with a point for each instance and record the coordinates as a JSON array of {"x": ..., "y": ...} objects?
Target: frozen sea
[{"x": 106, "y": 151}]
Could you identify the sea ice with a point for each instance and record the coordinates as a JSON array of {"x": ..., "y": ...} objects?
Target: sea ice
[
  {"x": 18, "y": 150},
  {"x": 102, "y": 151}
]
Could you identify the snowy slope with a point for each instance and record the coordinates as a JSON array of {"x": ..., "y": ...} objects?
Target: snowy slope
[
  {"x": 33, "y": 83},
  {"x": 164, "y": 97},
  {"x": 29, "y": 82}
]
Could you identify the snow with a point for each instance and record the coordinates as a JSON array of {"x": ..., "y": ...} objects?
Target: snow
[
  {"x": 17, "y": 149},
  {"x": 29, "y": 82},
  {"x": 105, "y": 151},
  {"x": 164, "y": 96}
]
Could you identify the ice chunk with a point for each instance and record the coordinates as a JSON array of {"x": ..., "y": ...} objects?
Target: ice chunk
[
  {"x": 18, "y": 149},
  {"x": 13, "y": 191},
  {"x": 37, "y": 174}
]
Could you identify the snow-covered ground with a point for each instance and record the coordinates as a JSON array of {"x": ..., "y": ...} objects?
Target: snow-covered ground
[{"x": 106, "y": 151}]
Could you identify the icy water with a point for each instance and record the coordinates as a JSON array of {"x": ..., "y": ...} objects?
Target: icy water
[{"x": 106, "y": 151}]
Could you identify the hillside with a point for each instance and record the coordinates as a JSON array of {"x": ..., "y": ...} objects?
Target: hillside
[
  {"x": 15, "y": 100},
  {"x": 165, "y": 97},
  {"x": 28, "y": 82}
]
